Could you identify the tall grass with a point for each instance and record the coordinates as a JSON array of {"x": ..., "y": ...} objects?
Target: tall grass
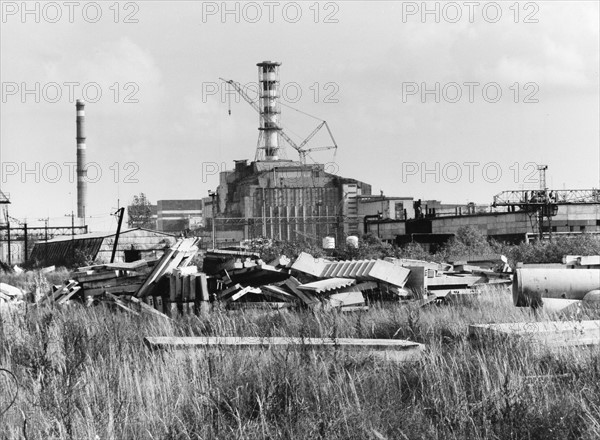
[{"x": 85, "y": 374}]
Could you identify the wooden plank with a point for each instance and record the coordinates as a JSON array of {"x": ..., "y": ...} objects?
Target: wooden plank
[
  {"x": 204, "y": 307},
  {"x": 261, "y": 305},
  {"x": 84, "y": 277},
  {"x": 229, "y": 291},
  {"x": 182, "y": 271},
  {"x": 192, "y": 286},
  {"x": 243, "y": 292},
  {"x": 150, "y": 301},
  {"x": 92, "y": 267},
  {"x": 127, "y": 266},
  {"x": 115, "y": 300},
  {"x": 159, "y": 305},
  {"x": 172, "y": 286},
  {"x": 63, "y": 299},
  {"x": 190, "y": 307},
  {"x": 129, "y": 288},
  {"x": 204, "y": 295},
  {"x": 354, "y": 309},
  {"x": 235, "y": 294},
  {"x": 159, "y": 269},
  {"x": 178, "y": 256},
  {"x": 120, "y": 281},
  {"x": 65, "y": 289},
  {"x": 185, "y": 287},
  {"x": 399, "y": 350},
  {"x": 146, "y": 307},
  {"x": 157, "y": 272},
  {"x": 173, "y": 311}
]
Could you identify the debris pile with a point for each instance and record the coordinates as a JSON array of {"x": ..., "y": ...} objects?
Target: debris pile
[
  {"x": 123, "y": 284},
  {"x": 236, "y": 279}
]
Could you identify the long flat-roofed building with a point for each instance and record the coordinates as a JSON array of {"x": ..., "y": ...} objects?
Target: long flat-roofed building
[{"x": 175, "y": 216}]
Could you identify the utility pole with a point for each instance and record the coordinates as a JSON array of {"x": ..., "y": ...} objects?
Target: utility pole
[
  {"x": 213, "y": 195},
  {"x": 72, "y": 235},
  {"x": 120, "y": 212},
  {"x": 46, "y": 237},
  {"x": 8, "y": 240},
  {"x": 26, "y": 253}
]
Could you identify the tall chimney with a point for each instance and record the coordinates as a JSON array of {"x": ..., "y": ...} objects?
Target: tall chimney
[
  {"x": 81, "y": 171},
  {"x": 268, "y": 83}
]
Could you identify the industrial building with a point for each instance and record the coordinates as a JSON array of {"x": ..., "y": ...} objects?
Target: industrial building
[
  {"x": 285, "y": 200},
  {"x": 513, "y": 223},
  {"x": 277, "y": 198},
  {"x": 290, "y": 200},
  {"x": 175, "y": 216}
]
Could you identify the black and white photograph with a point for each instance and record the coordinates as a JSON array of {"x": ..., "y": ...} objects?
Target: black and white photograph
[{"x": 369, "y": 220}]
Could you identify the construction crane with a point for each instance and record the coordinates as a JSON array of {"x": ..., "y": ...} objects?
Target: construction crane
[
  {"x": 303, "y": 152},
  {"x": 543, "y": 203}
]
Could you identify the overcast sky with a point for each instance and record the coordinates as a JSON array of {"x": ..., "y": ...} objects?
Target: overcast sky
[{"x": 362, "y": 66}]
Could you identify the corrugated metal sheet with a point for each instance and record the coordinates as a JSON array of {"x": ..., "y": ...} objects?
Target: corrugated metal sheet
[
  {"x": 362, "y": 270},
  {"x": 98, "y": 245},
  {"x": 60, "y": 252},
  {"x": 367, "y": 270},
  {"x": 327, "y": 285}
]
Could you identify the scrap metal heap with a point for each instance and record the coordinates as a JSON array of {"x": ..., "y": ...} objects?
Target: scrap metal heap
[{"x": 234, "y": 279}]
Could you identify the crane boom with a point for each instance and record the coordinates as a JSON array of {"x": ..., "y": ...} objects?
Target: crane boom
[
  {"x": 542, "y": 197},
  {"x": 238, "y": 88}
]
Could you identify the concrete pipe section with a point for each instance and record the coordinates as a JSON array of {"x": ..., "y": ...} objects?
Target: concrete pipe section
[{"x": 530, "y": 286}]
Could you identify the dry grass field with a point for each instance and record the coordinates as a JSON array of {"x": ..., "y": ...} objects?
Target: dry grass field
[{"x": 77, "y": 373}]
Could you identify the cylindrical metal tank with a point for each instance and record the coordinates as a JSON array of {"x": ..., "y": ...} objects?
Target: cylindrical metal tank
[
  {"x": 352, "y": 240},
  {"x": 329, "y": 243},
  {"x": 530, "y": 286}
]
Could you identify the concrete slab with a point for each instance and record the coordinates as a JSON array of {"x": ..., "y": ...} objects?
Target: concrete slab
[
  {"x": 385, "y": 271},
  {"x": 551, "y": 333},
  {"x": 390, "y": 349},
  {"x": 308, "y": 264}
]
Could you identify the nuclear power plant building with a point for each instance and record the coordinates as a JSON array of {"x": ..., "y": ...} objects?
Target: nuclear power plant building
[{"x": 284, "y": 200}]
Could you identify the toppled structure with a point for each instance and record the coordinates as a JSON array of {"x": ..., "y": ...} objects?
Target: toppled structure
[{"x": 121, "y": 284}]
